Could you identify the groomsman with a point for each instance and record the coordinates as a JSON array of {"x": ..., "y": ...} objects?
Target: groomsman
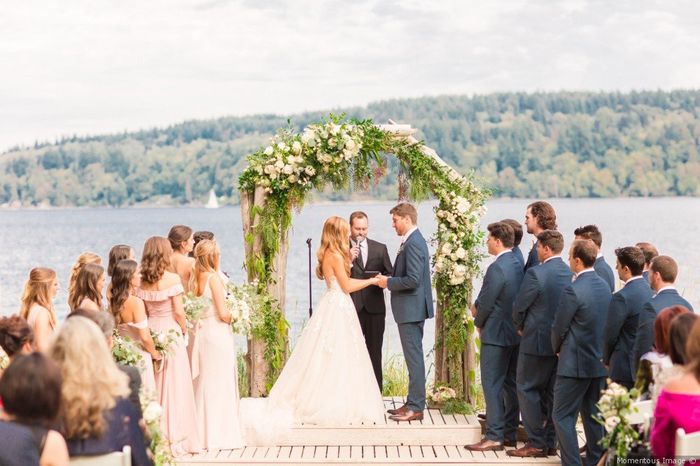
[
  {"x": 492, "y": 313},
  {"x": 518, "y": 231},
  {"x": 623, "y": 315},
  {"x": 650, "y": 252},
  {"x": 533, "y": 313},
  {"x": 577, "y": 337},
  {"x": 662, "y": 275},
  {"x": 539, "y": 216},
  {"x": 369, "y": 302},
  {"x": 601, "y": 267}
]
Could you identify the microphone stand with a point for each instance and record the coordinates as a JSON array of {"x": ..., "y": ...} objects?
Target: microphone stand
[{"x": 311, "y": 310}]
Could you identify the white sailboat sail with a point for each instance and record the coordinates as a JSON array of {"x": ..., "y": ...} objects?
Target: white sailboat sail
[{"x": 212, "y": 203}]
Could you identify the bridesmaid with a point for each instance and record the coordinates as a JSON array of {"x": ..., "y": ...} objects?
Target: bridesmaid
[
  {"x": 37, "y": 305},
  {"x": 182, "y": 242},
  {"x": 116, "y": 254},
  {"x": 216, "y": 386},
  {"x": 83, "y": 259},
  {"x": 199, "y": 236},
  {"x": 87, "y": 292},
  {"x": 162, "y": 293},
  {"x": 129, "y": 313}
]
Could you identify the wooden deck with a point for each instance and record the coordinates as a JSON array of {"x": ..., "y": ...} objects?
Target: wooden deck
[{"x": 437, "y": 440}]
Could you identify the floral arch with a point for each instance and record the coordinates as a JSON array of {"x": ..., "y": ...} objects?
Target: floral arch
[{"x": 337, "y": 151}]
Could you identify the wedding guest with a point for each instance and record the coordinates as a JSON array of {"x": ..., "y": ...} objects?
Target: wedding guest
[
  {"x": 518, "y": 231},
  {"x": 16, "y": 337},
  {"x": 30, "y": 389},
  {"x": 182, "y": 242},
  {"x": 214, "y": 364},
  {"x": 577, "y": 337},
  {"x": 678, "y": 333},
  {"x": 198, "y": 236},
  {"x": 533, "y": 314},
  {"x": 650, "y": 252},
  {"x": 662, "y": 275},
  {"x": 678, "y": 405},
  {"x": 539, "y": 216},
  {"x": 105, "y": 322},
  {"x": 129, "y": 312},
  {"x": 96, "y": 417},
  {"x": 87, "y": 292},
  {"x": 37, "y": 305},
  {"x": 161, "y": 292},
  {"x": 601, "y": 267},
  {"x": 623, "y": 315},
  {"x": 493, "y": 311},
  {"x": 83, "y": 259}
]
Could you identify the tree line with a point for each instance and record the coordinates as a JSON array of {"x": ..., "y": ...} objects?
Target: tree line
[{"x": 558, "y": 144}]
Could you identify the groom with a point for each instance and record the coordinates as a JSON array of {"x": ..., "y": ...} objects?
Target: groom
[{"x": 411, "y": 303}]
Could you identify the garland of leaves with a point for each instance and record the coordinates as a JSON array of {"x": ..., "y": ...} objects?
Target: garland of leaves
[{"x": 337, "y": 151}]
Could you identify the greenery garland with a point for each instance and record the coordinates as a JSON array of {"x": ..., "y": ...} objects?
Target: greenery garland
[{"x": 337, "y": 151}]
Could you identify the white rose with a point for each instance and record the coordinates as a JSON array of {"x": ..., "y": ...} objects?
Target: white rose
[
  {"x": 460, "y": 253},
  {"x": 288, "y": 170},
  {"x": 279, "y": 164},
  {"x": 456, "y": 280},
  {"x": 331, "y": 143},
  {"x": 269, "y": 150},
  {"x": 269, "y": 169},
  {"x": 611, "y": 422},
  {"x": 335, "y": 129},
  {"x": 446, "y": 248},
  {"x": 296, "y": 147},
  {"x": 152, "y": 412},
  {"x": 292, "y": 178},
  {"x": 282, "y": 146},
  {"x": 459, "y": 270},
  {"x": 350, "y": 144}
]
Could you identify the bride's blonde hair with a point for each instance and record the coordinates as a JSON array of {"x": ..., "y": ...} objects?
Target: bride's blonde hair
[{"x": 334, "y": 239}]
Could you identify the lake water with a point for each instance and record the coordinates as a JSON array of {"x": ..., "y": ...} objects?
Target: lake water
[{"x": 54, "y": 238}]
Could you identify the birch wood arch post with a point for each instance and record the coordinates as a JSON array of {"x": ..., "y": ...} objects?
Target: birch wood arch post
[{"x": 337, "y": 151}]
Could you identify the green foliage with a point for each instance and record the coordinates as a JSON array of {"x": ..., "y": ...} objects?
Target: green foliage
[
  {"x": 457, "y": 406},
  {"x": 243, "y": 389},
  {"x": 563, "y": 144},
  {"x": 395, "y": 375}
]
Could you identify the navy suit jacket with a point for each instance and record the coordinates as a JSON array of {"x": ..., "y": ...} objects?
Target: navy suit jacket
[
  {"x": 411, "y": 287},
  {"x": 577, "y": 333},
  {"x": 605, "y": 271},
  {"x": 645, "y": 329},
  {"x": 532, "y": 259},
  {"x": 519, "y": 255},
  {"x": 621, "y": 328},
  {"x": 536, "y": 304},
  {"x": 494, "y": 305}
]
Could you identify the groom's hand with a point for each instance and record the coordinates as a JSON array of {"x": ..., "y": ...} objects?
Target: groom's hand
[
  {"x": 382, "y": 280},
  {"x": 473, "y": 309}
]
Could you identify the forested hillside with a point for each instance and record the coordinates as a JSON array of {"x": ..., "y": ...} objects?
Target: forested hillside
[{"x": 564, "y": 144}]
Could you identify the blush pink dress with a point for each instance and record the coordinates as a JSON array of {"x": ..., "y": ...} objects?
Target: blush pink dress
[
  {"x": 174, "y": 379},
  {"x": 216, "y": 381}
]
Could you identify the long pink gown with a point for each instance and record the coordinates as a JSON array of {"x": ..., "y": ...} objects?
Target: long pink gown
[
  {"x": 174, "y": 379},
  {"x": 131, "y": 330},
  {"x": 216, "y": 381}
]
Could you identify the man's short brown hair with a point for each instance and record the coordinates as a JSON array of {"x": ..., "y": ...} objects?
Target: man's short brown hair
[
  {"x": 405, "y": 209},
  {"x": 503, "y": 232},
  {"x": 631, "y": 257},
  {"x": 649, "y": 251},
  {"x": 357, "y": 214},
  {"x": 551, "y": 239},
  {"x": 666, "y": 266},
  {"x": 545, "y": 215},
  {"x": 590, "y": 232},
  {"x": 517, "y": 230},
  {"x": 586, "y": 250}
]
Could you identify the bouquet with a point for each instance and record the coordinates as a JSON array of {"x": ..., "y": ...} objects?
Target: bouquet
[
  {"x": 615, "y": 406},
  {"x": 125, "y": 351},
  {"x": 194, "y": 308},
  {"x": 441, "y": 394},
  {"x": 163, "y": 342},
  {"x": 157, "y": 445},
  {"x": 4, "y": 360},
  {"x": 238, "y": 304}
]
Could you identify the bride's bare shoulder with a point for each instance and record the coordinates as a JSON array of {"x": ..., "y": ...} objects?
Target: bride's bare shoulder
[{"x": 332, "y": 257}]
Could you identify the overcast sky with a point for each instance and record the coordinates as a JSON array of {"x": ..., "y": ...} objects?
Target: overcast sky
[{"x": 95, "y": 66}]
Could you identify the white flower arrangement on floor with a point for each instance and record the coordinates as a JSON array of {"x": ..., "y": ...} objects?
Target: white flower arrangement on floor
[
  {"x": 441, "y": 394},
  {"x": 157, "y": 444}
]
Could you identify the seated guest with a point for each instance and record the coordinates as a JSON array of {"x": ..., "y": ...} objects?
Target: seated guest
[
  {"x": 657, "y": 360},
  {"x": 650, "y": 252},
  {"x": 662, "y": 275},
  {"x": 97, "y": 419},
  {"x": 678, "y": 405},
  {"x": 15, "y": 336},
  {"x": 87, "y": 293},
  {"x": 623, "y": 315},
  {"x": 37, "y": 305},
  {"x": 677, "y": 338},
  {"x": 518, "y": 230},
  {"x": 601, "y": 267},
  {"x": 30, "y": 389}
]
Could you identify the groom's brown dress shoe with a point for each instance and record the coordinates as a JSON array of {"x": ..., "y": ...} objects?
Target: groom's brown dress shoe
[
  {"x": 408, "y": 416},
  {"x": 485, "y": 445},
  {"x": 398, "y": 411},
  {"x": 528, "y": 451}
]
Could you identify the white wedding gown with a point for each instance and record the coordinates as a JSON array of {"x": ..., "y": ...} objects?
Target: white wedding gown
[{"x": 327, "y": 381}]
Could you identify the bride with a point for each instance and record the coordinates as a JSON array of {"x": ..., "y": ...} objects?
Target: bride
[{"x": 328, "y": 379}]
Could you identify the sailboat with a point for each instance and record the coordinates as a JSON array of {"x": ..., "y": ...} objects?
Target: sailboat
[{"x": 212, "y": 203}]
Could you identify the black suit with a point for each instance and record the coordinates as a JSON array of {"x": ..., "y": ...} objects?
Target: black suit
[
  {"x": 621, "y": 329},
  {"x": 577, "y": 336},
  {"x": 605, "y": 271},
  {"x": 369, "y": 302},
  {"x": 644, "y": 339},
  {"x": 533, "y": 313}
]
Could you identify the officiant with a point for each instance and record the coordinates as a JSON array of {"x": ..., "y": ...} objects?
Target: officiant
[{"x": 369, "y": 258}]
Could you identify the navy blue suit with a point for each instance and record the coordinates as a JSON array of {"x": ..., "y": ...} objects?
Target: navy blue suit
[
  {"x": 499, "y": 345},
  {"x": 533, "y": 313},
  {"x": 605, "y": 271},
  {"x": 532, "y": 258},
  {"x": 621, "y": 329},
  {"x": 519, "y": 255},
  {"x": 577, "y": 336},
  {"x": 644, "y": 339}
]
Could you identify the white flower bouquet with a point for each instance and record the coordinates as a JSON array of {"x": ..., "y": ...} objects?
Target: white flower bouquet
[
  {"x": 238, "y": 304},
  {"x": 125, "y": 351},
  {"x": 439, "y": 395},
  {"x": 194, "y": 308},
  {"x": 163, "y": 341},
  {"x": 615, "y": 406}
]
